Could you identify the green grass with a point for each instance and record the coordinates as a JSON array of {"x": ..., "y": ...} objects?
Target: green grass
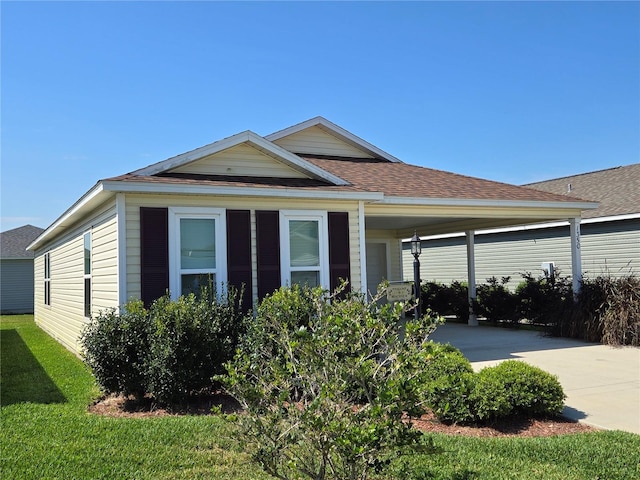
[{"x": 46, "y": 432}]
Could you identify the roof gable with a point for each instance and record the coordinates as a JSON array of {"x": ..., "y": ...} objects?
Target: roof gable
[
  {"x": 188, "y": 162},
  {"x": 241, "y": 160},
  {"x": 319, "y": 136}
]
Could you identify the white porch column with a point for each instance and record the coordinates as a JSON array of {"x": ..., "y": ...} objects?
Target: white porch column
[
  {"x": 576, "y": 257},
  {"x": 363, "y": 248},
  {"x": 471, "y": 274}
]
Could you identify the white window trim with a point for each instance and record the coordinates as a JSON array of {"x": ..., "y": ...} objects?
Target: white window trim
[
  {"x": 175, "y": 271},
  {"x": 87, "y": 276},
  {"x": 285, "y": 251},
  {"x": 47, "y": 278}
]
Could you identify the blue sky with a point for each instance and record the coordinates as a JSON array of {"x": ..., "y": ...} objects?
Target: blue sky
[{"x": 510, "y": 91}]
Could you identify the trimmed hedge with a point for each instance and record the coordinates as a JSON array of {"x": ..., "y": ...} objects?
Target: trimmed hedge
[
  {"x": 456, "y": 394},
  {"x": 170, "y": 351}
]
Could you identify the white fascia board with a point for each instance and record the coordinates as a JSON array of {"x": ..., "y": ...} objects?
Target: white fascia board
[
  {"x": 463, "y": 202},
  {"x": 533, "y": 226},
  {"x": 338, "y": 132},
  {"x": 69, "y": 213},
  {"x": 143, "y": 187},
  {"x": 250, "y": 138}
]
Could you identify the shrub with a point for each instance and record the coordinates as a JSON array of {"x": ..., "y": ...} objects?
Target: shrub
[
  {"x": 545, "y": 301},
  {"x": 446, "y": 300},
  {"x": 496, "y": 302},
  {"x": 170, "y": 351},
  {"x": 191, "y": 339},
  {"x": 115, "y": 348},
  {"x": 515, "y": 388},
  {"x": 326, "y": 383},
  {"x": 437, "y": 297},
  {"x": 449, "y": 380}
]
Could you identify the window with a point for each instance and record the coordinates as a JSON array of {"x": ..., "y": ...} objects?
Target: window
[
  {"x": 304, "y": 246},
  {"x": 87, "y": 274},
  {"x": 197, "y": 238},
  {"x": 47, "y": 278}
]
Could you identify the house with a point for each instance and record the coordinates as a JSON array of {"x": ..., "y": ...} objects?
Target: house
[
  {"x": 16, "y": 269},
  {"x": 609, "y": 241},
  {"x": 312, "y": 203}
]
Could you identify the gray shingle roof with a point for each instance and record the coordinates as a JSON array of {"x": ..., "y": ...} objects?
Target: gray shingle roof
[
  {"x": 617, "y": 189},
  {"x": 13, "y": 243}
]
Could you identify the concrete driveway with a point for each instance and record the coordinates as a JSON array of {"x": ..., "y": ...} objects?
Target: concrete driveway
[{"x": 602, "y": 383}]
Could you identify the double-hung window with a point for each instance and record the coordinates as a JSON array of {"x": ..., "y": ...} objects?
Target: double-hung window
[
  {"x": 47, "y": 278},
  {"x": 87, "y": 274},
  {"x": 197, "y": 239},
  {"x": 304, "y": 238}
]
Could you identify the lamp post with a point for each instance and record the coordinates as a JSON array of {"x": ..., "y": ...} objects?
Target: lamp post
[{"x": 416, "y": 249}]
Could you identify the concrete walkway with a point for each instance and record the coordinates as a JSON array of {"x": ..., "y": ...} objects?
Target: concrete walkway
[{"x": 602, "y": 383}]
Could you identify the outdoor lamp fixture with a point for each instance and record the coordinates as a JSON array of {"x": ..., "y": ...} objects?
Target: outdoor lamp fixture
[{"x": 416, "y": 249}]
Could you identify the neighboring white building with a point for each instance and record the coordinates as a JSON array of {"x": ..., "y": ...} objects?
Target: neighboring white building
[
  {"x": 610, "y": 236},
  {"x": 16, "y": 269},
  {"x": 312, "y": 203}
]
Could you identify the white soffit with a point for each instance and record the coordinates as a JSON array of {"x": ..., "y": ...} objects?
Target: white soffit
[
  {"x": 336, "y": 131},
  {"x": 255, "y": 141}
]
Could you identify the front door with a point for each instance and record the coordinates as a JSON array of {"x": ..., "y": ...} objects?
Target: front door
[{"x": 376, "y": 265}]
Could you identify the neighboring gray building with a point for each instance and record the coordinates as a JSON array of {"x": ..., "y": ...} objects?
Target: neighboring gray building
[
  {"x": 610, "y": 236},
  {"x": 16, "y": 269}
]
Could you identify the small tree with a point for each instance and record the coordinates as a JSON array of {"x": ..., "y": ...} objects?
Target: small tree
[{"x": 326, "y": 383}]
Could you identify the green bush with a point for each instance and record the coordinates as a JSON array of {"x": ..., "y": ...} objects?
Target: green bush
[
  {"x": 326, "y": 383},
  {"x": 191, "y": 340},
  {"x": 515, "y": 388},
  {"x": 448, "y": 381},
  {"x": 497, "y": 303},
  {"x": 115, "y": 348},
  {"x": 170, "y": 351},
  {"x": 545, "y": 301},
  {"x": 446, "y": 300}
]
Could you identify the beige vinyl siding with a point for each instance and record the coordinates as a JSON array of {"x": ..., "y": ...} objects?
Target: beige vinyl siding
[
  {"x": 16, "y": 290},
  {"x": 316, "y": 141},
  {"x": 610, "y": 246},
  {"x": 64, "y": 318},
  {"x": 135, "y": 201},
  {"x": 104, "y": 265},
  {"x": 242, "y": 160}
]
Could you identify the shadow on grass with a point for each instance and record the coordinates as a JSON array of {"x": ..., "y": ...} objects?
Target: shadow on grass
[{"x": 22, "y": 378}]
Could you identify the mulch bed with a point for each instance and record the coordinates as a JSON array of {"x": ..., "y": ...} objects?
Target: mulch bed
[{"x": 510, "y": 427}]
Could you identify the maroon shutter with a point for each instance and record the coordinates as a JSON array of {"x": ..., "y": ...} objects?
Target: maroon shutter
[
  {"x": 268, "y": 251},
  {"x": 239, "y": 253},
  {"x": 339, "y": 260},
  {"x": 154, "y": 253}
]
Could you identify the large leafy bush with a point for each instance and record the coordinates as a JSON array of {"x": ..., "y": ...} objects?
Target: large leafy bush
[
  {"x": 116, "y": 346},
  {"x": 170, "y": 351},
  {"x": 515, "y": 388},
  {"x": 448, "y": 381},
  {"x": 327, "y": 383}
]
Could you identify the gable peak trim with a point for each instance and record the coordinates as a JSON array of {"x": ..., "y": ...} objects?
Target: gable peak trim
[
  {"x": 250, "y": 138},
  {"x": 337, "y": 131}
]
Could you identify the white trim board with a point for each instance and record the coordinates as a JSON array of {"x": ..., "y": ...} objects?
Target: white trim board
[{"x": 533, "y": 226}]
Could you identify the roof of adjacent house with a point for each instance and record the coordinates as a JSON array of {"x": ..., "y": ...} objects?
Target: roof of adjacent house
[
  {"x": 13, "y": 243},
  {"x": 617, "y": 189}
]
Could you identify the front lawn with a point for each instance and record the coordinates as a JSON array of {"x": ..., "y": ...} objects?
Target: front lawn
[{"x": 46, "y": 432}]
